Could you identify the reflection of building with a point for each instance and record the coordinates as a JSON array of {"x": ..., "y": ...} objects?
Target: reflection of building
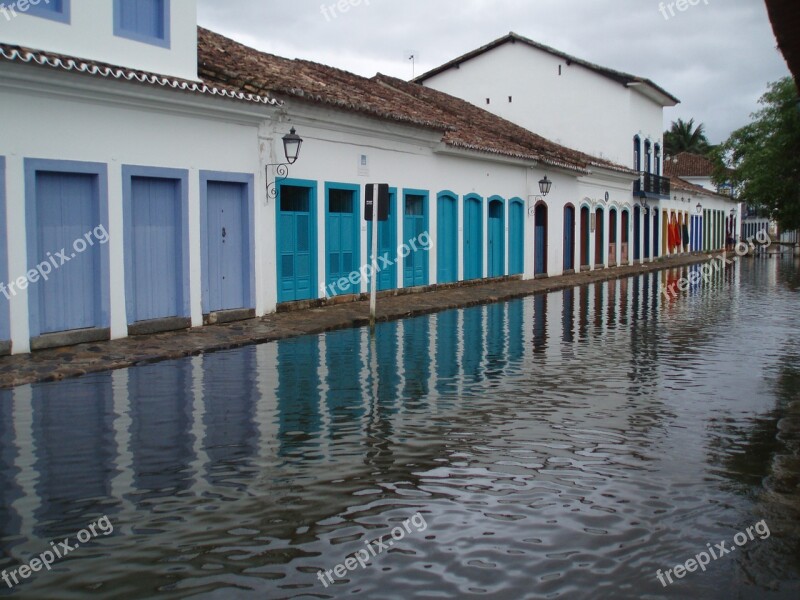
[{"x": 133, "y": 179}]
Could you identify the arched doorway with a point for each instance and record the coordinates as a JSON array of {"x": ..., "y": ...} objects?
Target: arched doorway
[
  {"x": 516, "y": 237},
  {"x": 599, "y": 241},
  {"x": 637, "y": 233},
  {"x": 585, "y": 239},
  {"x": 625, "y": 257},
  {"x": 569, "y": 238},
  {"x": 473, "y": 237},
  {"x": 497, "y": 241},
  {"x": 540, "y": 237},
  {"x": 612, "y": 237},
  {"x": 656, "y": 230}
]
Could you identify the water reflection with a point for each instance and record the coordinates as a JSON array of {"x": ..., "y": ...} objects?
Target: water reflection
[{"x": 557, "y": 445}]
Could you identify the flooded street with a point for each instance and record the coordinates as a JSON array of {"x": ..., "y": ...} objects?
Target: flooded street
[{"x": 569, "y": 445}]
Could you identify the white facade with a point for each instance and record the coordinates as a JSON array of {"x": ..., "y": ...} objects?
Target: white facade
[{"x": 563, "y": 101}]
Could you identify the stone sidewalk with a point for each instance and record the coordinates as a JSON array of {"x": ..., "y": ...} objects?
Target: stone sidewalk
[{"x": 61, "y": 363}]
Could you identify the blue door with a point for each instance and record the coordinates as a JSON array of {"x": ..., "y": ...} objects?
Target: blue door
[
  {"x": 473, "y": 237},
  {"x": 497, "y": 240},
  {"x": 655, "y": 235},
  {"x": 67, "y": 209},
  {"x": 296, "y": 243},
  {"x": 156, "y": 250},
  {"x": 227, "y": 247},
  {"x": 342, "y": 239},
  {"x": 540, "y": 256},
  {"x": 415, "y": 265},
  {"x": 516, "y": 238},
  {"x": 648, "y": 241},
  {"x": 569, "y": 238},
  {"x": 446, "y": 239},
  {"x": 637, "y": 234},
  {"x": 387, "y": 246},
  {"x": 599, "y": 241}
]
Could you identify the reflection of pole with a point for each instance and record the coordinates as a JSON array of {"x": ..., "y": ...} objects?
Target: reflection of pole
[{"x": 373, "y": 298}]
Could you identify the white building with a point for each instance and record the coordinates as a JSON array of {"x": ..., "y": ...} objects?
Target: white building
[{"x": 134, "y": 181}]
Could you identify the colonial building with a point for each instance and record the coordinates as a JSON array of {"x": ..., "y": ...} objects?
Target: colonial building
[{"x": 140, "y": 189}]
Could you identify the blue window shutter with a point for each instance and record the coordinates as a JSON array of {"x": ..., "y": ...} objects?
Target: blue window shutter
[
  {"x": 145, "y": 21},
  {"x": 55, "y": 10}
]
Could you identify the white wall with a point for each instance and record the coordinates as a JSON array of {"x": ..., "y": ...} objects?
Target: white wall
[
  {"x": 90, "y": 35},
  {"x": 577, "y": 108}
]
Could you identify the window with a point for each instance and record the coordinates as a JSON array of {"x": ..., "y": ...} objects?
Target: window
[
  {"x": 56, "y": 10},
  {"x": 340, "y": 201},
  {"x": 648, "y": 154},
  {"x": 637, "y": 154},
  {"x": 415, "y": 206},
  {"x": 145, "y": 21}
]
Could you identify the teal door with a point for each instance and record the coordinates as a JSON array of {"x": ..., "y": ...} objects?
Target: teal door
[
  {"x": 296, "y": 243},
  {"x": 342, "y": 239},
  {"x": 569, "y": 238},
  {"x": 447, "y": 240},
  {"x": 473, "y": 237},
  {"x": 516, "y": 238},
  {"x": 415, "y": 265},
  {"x": 497, "y": 242},
  {"x": 387, "y": 246}
]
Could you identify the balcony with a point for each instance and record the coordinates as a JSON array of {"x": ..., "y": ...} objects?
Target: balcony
[{"x": 652, "y": 186}]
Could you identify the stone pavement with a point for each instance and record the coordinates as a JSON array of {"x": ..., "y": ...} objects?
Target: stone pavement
[{"x": 61, "y": 363}]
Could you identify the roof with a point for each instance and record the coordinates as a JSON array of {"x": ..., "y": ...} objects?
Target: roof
[
  {"x": 225, "y": 61},
  {"x": 684, "y": 186},
  {"x": 786, "y": 25},
  {"x": 618, "y": 76},
  {"x": 51, "y": 60},
  {"x": 687, "y": 164}
]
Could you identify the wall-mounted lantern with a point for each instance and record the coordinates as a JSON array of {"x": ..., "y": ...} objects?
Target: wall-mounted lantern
[
  {"x": 545, "y": 185},
  {"x": 291, "y": 150}
]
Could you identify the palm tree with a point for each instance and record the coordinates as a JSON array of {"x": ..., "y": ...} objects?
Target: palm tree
[{"x": 683, "y": 136}]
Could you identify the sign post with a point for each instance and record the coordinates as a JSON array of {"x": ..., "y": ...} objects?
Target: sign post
[{"x": 376, "y": 209}]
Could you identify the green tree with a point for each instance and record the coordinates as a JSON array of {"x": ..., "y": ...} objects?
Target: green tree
[
  {"x": 683, "y": 136},
  {"x": 763, "y": 158}
]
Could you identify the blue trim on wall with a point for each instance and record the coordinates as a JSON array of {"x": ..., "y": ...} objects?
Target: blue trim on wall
[
  {"x": 55, "y": 10},
  {"x": 136, "y": 36},
  {"x": 182, "y": 177},
  {"x": 100, "y": 170},
  {"x": 356, "y": 189},
  {"x": 311, "y": 185},
  {"x": 5, "y": 315},
  {"x": 249, "y": 181}
]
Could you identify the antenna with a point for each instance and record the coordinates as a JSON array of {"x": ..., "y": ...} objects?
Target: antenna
[{"x": 413, "y": 56}]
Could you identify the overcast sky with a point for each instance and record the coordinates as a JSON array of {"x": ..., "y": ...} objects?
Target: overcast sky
[{"x": 717, "y": 56}]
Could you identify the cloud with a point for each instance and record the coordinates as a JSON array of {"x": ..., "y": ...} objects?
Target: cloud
[{"x": 716, "y": 57}]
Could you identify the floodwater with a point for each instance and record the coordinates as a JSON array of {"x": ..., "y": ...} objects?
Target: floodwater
[{"x": 562, "y": 446}]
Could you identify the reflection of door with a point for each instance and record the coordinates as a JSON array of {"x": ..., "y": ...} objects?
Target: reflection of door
[
  {"x": 540, "y": 231},
  {"x": 473, "y": 238},
  {"x": 447, "y": 242},
  {"x": 496, "y": 239},
  {"x": 585, "y": 239},
  {"x": 341, "y": 240},
  {"x": 415, "y": 265},
  {"x": 569, "y": 238},
  {"x": 227, "y": 241},
  {"x": 387, "y": 246},
  {"x": 624, "y": 241},
  {"x": 599, "y": 255},
  {"x": 516, "y": 238},
  {"x": 296, "y": 243}
]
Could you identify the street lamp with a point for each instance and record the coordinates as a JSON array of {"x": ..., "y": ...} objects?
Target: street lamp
[
  {"x": 291, "y": 150},
  {"x": 699, "y": 208},
  {"x": 545, "y": 185}
]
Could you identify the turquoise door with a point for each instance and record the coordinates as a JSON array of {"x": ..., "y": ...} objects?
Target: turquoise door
[
  {"x": 296, "y": 243},
  {"x": 156, "y": 247},
  {"x": 67, "y": 208},
  {"x": 415, "y": 265},
  {"x": 387, "y": 246},
  {"x": 497, "y": 242},
  {"x": 569, "y": 238},
  {"x": 473, "y": 237},
  {"x": 342, "y": 239},
  {"x": 516, "y": 238},
  {"x": 446, "y": 239},
  {"x": 540, "y": 232},
  {"x": 227, "y": 247}
]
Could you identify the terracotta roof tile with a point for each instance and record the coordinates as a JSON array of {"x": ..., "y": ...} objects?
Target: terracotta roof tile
[{"x": 687, "y": 164}]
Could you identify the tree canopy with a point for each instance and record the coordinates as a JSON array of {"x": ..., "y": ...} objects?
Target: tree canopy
[
  {"x": 763, "y": 158},
  {"x": 683, "y": 136}
]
